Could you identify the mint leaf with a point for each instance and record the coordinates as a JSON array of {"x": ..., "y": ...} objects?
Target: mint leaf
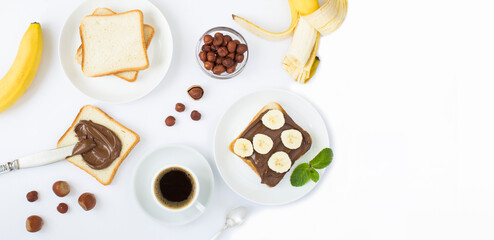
[
  {"x": 300, "y": 175},
  {"x": 323, "y": 159},
  {"x": 313, "y": 174}
]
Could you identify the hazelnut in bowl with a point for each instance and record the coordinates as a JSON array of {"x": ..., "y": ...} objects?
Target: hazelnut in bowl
[{"x": 222, "y": 52}]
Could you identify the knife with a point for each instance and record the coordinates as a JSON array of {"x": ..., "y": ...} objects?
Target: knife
[{"x": 38, "y": 159}]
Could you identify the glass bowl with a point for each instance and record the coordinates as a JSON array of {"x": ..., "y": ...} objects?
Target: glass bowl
[{"x": 235, "y": 36}]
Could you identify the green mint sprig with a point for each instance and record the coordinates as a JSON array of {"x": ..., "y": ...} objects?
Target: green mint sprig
[{"x": 306, "y": 171}]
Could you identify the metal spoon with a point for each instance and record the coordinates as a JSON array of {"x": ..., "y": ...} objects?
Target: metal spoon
[{"x": 235, "y": 217}]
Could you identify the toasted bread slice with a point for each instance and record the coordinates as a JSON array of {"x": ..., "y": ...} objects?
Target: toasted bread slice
[
  {"x": 269, "y": 106},
  {"x": 127, "y": 137},
  {"x": 130, "y": 76},
  {"x": 113, "y": 44}
]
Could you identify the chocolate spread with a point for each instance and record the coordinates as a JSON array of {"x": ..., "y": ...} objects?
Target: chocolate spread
[
  {"x": 98, "y": 145},
  {"x": 260, "y": 161}
]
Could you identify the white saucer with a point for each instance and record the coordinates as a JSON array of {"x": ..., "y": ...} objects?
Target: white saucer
[
  {"x": 238, "y": 175},
  {"x": 112, "y": 89},
  {"x": 159, "y": 159}
]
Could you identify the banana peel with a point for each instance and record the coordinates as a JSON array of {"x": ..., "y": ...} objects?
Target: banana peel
[{"x": 324, "y": 19}]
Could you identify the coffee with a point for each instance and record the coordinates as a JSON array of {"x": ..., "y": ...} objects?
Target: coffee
[{"x": 174, "y": 187}]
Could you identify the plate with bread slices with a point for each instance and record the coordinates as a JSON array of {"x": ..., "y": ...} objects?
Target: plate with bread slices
[
  {"x": 116, "y": 51},
  {"x": 262, "y": 138}
]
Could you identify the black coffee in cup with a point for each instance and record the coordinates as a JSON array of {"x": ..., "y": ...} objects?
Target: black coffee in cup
[{"x": 174, "y": 187}]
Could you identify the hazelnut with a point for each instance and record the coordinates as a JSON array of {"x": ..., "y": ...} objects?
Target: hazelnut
[
  {"x": 32, "y": 196},
  {"x": 195, "y": 92},
  {"x": 239, "y": 58},
  {"x": 195, "y": 115},
  {"x": 218, "y": 34},
  {"x": 219, "y": 60},
  {"x": 208, "y": 65},
  {"x": 228, "y": 62},
  {"x": 231, "y": 69},
  {"x": 231, "y": 55},
  {"x": 61, "y": 188},
  {"x": 208, "y": 39},
  {"x": 62, "y": 208},
  {"x": 87, "y": 201},
  {"x": 214, "y": 48},
  {"x": 170, "y": 121},
  {"x": 236, "y": 41},
  {"x": 227, "y": 38},
  {"x": 202, "y": 56},
  {"x": 219, "y": 69},
  {"x": 34, "y": 223},
  {"x": 241, "y": 48},
  {"x": 232, "y": 46},
  {"x": 222, "y": 51},
  {"x": 179, "y": 107},
  {"x": 211, "y": 56},
  {"x": 206, "y": 48},
  {"x": 218, "y": 40}
]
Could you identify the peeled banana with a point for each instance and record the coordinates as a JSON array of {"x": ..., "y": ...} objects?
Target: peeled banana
[
  {"x": 20, "y": 75},
  {"x": 309, "y": 21}
]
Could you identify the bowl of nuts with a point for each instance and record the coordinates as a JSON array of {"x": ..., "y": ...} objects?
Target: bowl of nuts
[{"x": 222, "y": 52}]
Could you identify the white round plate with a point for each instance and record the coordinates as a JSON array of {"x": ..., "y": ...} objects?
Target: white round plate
[
  {"x": 161, "y": 158},
  {"x": 112, "y": 89},
  {"x": 238, "y": 175}
]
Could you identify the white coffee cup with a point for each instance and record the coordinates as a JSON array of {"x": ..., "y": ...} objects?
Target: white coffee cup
[{"x": 192, "y": 202}]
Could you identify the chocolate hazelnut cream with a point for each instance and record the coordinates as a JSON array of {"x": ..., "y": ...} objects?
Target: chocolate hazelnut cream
[
  {"x": 260, "y": 161},
  {"x": 98, "y": 145}
]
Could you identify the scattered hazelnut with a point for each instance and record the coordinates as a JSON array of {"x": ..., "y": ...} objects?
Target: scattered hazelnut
[
  {"x": 206, "y": 48},
  {"x": 87, "y": 201},
  {"x": 61, "y": 188},
  {"x": 32, "y": 196},
  {"x": 195, "y": 115},
  {"x": 170, "y": 121},
  {"x": 34, "y": 223},
  {"x": 241, "y": 48},
  {"x": 195, "y": 92},
  {"x": 222, "y": 51},
  {"x": 202, "y": 56},
  {"x": 232, "y": 46},
  {"x": 211, "y": 56},
  {"x": 239, "y": 58},
  {"x": 219, "y": 60},
  {"x": 231, "y": 69},
  {"x": 208, "y": 65},
  {"x": 208, "y": 39},
  {"x": 218, "y": 40},
  {"x": 219, "y": 69},
  {"x": 231, "y": 55},
  {"x": 228, "y": 62},
  {"x": 62, "y": 208},
  {"x": 179, "y": 107}
]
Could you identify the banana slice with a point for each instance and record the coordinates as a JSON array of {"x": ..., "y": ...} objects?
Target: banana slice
[
  {"x": 243, "y": 147},
  {"x": 273, "y": 119},
  {"x": 262, "y": 143},
  {"x": 291, "y": 138},
  {"x": 279, "y": 162}
]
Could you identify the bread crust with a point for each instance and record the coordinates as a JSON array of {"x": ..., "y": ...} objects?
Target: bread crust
[
  {"x": 123, "y": 155},
  {"x": 119, "y": 70},
  {"x": 269, "y": 106}
]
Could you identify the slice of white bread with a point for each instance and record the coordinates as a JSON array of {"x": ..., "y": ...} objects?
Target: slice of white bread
[
  {"x": 130, "y": 76},
  {"x": 113, "y": 43},
  {"x": 127, "y": 137}
]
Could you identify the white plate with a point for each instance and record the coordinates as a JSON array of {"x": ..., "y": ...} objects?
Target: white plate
[
  {"x": 238, "y": 175},
  {"x": 161, "y": 158},
  {"x": 112, "y": 89}
]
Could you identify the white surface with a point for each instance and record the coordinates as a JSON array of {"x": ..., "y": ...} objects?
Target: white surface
[
  {"x": 173, "y": 156},
  {"x": 405, "y": 88},
  {"x": 238, "y": 175},
  {"x": 112, "y": 89}
]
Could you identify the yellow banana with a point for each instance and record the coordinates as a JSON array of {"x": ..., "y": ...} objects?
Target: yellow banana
[{"x": 22, "y": 72}]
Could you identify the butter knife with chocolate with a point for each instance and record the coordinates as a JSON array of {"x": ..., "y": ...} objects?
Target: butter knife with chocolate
[{"x": 271, "y": 144}]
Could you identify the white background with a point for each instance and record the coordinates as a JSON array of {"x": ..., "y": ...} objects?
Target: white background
[{"x": 405, "y": 88}]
